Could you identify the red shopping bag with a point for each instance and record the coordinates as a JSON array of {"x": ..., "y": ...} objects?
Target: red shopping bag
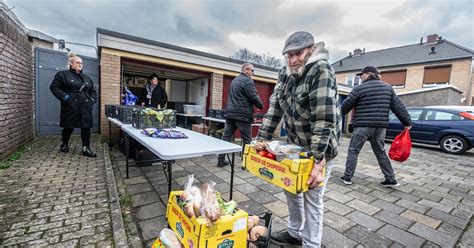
[{"x": 401, "y": 146}]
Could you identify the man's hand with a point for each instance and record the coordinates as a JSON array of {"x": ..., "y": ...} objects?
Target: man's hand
[
  {"x": 143, "y": 104},
  {"x": 316, "y": 176}
]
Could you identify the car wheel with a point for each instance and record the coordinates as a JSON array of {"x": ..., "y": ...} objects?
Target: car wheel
[{"x": 453, "y": 144}]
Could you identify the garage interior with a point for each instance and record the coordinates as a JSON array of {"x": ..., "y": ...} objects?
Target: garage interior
[{"x": 183, "y": 86}]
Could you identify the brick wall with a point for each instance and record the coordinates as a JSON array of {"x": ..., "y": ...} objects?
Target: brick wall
[
  {"x": 216, "y": 90},
  {"x": 445, "y": 96},
  {"x": 16, "y": 87},
  {"x": 460, "y": 72},
  {"x": 109, "y": 91}
]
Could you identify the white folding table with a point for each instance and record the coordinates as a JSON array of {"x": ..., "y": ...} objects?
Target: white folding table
[{"x": 196, "y": 145}]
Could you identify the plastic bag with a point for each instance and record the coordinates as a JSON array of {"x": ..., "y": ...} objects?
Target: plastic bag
[
  {"x": 284, "y": 150},
  {"x": 210, "y": 206},
  {"x": 129, "y": 98},
  {"x": 401, "y": 146},
  {"x": 191, "y": 198}
]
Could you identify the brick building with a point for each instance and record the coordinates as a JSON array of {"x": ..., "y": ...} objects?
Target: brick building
[
  {"x": 189, "y": 76},
  {"x": 411, "y": 68},
  {"x": 17, "y": 87}
]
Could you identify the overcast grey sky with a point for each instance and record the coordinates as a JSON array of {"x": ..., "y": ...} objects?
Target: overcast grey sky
[{"x": 224, "y": 26}]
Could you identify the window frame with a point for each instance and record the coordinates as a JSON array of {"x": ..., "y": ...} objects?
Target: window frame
[{"x": 428, "y": 85}]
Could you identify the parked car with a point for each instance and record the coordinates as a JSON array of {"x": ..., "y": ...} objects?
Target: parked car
[{"x": 449, "y": 127}]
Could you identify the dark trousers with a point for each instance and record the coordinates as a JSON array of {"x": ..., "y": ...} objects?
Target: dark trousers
[
  {"x": 376, "y": 137},
  {"x": 231, "y": 126},
  {"x": 85, "y": 135}
]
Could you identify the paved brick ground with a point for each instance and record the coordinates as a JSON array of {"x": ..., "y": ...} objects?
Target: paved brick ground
[
  {"x": 62, "y": 200},
  {"x": 52, "y": 199},
  {"x": 433, "y": 207}
]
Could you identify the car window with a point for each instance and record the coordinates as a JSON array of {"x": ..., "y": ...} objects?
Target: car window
[
  {"x": 432, "y": 115},
  {"x": 415, "y": 114}
]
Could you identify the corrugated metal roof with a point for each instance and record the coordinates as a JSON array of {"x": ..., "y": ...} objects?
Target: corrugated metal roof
[{"x": 405, "y": 55}]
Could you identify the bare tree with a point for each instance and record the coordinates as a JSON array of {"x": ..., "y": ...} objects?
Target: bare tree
[{"x": 246, "y": 55}]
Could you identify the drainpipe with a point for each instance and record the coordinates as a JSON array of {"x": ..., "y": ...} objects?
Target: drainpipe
[{"x": 469, "y": 89}]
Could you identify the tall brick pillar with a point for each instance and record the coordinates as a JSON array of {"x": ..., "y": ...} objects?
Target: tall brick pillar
[
  {"x": 109, "y": 92},
  {"x": 217, "y": 89}
]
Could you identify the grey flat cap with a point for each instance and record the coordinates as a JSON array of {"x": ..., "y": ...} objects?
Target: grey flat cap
[{"x": 297, "y": 41}]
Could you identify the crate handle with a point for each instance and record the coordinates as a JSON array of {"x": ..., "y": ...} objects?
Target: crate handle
[{"x": 226, "y": 232}]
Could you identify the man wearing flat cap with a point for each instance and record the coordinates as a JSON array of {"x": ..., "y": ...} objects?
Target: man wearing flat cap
[
  {"x": 306, "y": 97},
  {"x": 372, "y": 100}
]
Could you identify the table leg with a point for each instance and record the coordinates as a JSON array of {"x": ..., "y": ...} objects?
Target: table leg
[
  {"x": 185, "y": 122},
  {"x": 110, "y": 135},
  {"x": 127, "y": 148},
  {"x": 169, "y": 177},
  {"x": 232, "y": 175}
]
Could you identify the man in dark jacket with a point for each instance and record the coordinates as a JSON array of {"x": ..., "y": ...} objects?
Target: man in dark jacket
[
  {"x": 153, "y": 95},
  {"x": 77, "y": 94},
  {"x": 372, "y": 101},
  {"x": 239, "y": 110}
]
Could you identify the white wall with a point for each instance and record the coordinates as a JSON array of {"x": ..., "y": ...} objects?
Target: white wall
[
  {"x": 197, "y": 91},
  {"x": 176, "y": 90}
]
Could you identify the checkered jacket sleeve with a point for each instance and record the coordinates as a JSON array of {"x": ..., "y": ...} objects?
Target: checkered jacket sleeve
[
  {"x": 324, "y": 109},
  {"x": 272, "y": 117}
]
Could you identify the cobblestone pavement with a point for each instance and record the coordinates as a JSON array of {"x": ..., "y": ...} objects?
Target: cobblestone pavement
[
  {"x": 53, "y": 199},
  {"x": 433, "y": 207}
]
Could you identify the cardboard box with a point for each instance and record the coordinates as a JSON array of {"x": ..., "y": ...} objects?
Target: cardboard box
[
  {"x": 228, "y": 231},
  {"x": 290, "y": 175},
  {"x": 201, "y": 128}
]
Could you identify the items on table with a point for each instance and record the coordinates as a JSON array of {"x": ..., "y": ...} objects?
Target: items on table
[{"x": 165, "y": 133}]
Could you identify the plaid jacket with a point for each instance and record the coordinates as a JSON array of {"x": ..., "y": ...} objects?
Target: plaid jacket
[{"x": 310, "y": 108}]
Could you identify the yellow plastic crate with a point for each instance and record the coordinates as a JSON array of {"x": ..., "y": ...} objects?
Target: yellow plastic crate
[
  {"x": 290, "y": 175},
  {"x": 228, "y": 231}
]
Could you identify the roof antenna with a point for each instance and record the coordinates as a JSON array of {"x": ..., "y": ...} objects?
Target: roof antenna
[
  {"x": 432, "y": 50},
  {"x": 421, "y": 41}
]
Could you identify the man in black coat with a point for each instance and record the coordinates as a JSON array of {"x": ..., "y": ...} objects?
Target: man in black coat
[
  {"x": 239, "y": 110},
  {"x": 153, "y": 95},
  {"x": 372, "y": 101},
  {"x": 77, "y": 94}
]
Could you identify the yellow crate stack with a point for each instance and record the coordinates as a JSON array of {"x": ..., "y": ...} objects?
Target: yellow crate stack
[{"x": 228, "y": 231}]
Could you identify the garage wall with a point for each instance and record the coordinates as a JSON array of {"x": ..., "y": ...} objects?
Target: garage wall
[{"x": 176, "y": 91}]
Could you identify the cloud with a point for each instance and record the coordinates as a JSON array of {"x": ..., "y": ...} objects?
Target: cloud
[{"x": 222, "y": 27}]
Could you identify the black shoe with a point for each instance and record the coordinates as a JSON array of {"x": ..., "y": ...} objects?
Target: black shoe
[
  {"x": 64, "y": 147},
  {"x": 86, "y": 151},
  {"x": 346, "y": 180},
  {"x": 391, "y": 184},
  {"x": 222, "y": 163},
  {"x": 284, "y": 239}
]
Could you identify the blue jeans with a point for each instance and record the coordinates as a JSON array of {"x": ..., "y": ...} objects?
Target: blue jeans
[
  {"x": 306, "y": 213},
  {"x": 376, "y": 137}
]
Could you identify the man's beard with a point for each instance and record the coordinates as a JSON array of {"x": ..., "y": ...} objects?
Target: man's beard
[{"x": 299, "y": 70}]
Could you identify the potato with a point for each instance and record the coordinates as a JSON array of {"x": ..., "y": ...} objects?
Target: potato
[{"x": 258, "y": 231}]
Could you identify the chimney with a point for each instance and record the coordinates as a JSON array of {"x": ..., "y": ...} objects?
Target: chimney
[
  {"x": 357, "y": 52},
  {"x": 432, "y": 38}
]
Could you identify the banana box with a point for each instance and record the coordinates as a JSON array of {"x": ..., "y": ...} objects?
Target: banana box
[
  {"x": 290, "y": 175},
  {"x": 229, "y": 231}
]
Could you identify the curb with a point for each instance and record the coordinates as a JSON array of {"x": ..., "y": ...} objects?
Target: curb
[{"x": 120, "y": 238}]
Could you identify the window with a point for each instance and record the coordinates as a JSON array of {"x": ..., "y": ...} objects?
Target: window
[
  {"x": 436, "y": 75},
  {"x": 395, "y": 78},
  {"x": 353, "y": 80},
  {"x": 432, "y": 115},
  {"x": 414, "y": 114}
]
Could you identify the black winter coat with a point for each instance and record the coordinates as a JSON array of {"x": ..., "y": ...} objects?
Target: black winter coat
[
  {"x": 373, "y": 100},
  {"x": 242, "y": 97},
  {"x": 158, "y": 96},
  {"x": 76, "y": 103}
]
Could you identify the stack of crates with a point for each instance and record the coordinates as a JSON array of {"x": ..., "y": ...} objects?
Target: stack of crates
[{"x": 125, "y": 113}]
